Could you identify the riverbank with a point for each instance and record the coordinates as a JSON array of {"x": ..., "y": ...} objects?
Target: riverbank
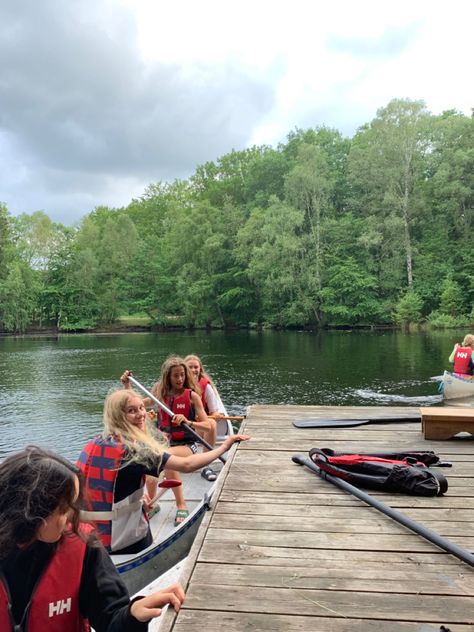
[
  {"x": 143, "y": 324},
  {"x": 126, "y": 329}
]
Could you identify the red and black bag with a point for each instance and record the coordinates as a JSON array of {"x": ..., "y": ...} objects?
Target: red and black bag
[{"x": 405, "y": 472}]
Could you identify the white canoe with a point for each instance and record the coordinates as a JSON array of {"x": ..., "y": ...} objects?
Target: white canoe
[
  {"x": 455, "y": 387},
  {"x": 171, "y": 544},
  {"x": 170, "y": 577}
]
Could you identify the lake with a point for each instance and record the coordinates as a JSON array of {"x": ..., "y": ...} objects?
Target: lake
[{"x": 52, "y": 389}]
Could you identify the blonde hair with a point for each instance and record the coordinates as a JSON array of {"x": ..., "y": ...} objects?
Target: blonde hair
[
  {"x": 163, "y": 388},
  {"x": 202, "y": 372},
  {"x": 143, "y": 446},
  {"x": 468, "y": 341}
]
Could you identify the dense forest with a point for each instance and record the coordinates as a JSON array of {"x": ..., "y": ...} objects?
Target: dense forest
[{"x": 320, "y": 231}]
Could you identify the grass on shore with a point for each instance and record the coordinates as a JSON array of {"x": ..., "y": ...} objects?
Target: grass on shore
[{"x": 139, "y": 319}]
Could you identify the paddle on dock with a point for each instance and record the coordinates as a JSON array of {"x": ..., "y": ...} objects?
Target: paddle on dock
[
  {"x": 348, "y": 423},
  {"x": 416, "y": 527}
]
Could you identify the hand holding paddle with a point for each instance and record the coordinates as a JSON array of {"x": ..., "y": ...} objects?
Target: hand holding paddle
[
  {"x": 149, "y": 607},
  {"x": 227, "y": 443},
  {"x": 125, "y": 378}
]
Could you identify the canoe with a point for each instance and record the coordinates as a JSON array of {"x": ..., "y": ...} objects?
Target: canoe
[
  {"x": 172, "y": 576},
  {"x": 454, "y": 386},
  {"x": 171, "y": 544}
]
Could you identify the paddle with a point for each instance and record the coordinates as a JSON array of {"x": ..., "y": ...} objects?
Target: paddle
[
  {"x": 169, "y": 412},
  {"x": 167, "y": 483},
  {"x": 232, "y": 417},
  {"x": 416, "y": 527},
  {"x": 347, "y": 423}
]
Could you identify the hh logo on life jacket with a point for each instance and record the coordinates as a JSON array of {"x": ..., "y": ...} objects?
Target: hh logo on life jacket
[
  {"x": 59, "y": 607},
  {"x": 462, "y": 354},
  {"x": 180, "y": 405}
]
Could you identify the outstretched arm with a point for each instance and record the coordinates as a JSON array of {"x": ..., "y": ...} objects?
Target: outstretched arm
[
  {"x": 196, "y": 461},
  {"x": 451, "y": 357}
]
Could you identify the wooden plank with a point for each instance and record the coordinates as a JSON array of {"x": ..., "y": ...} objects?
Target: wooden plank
[
  {"x": 408, "y": 541},
  {"x": 434, "y": 561},
  {"x": 337, "y": 498},
  {"x": 336, "y": 512},
  {"x": 378, "y": 523},
  {"x": 361, "y": 578},
  {"x": 286, "y": 484},
  {"x": 340, "y": 604},
  {"x": 216, "y": 621}
]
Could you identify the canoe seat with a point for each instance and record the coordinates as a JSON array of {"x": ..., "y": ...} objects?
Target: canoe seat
[{"x": 443, "y": 422}]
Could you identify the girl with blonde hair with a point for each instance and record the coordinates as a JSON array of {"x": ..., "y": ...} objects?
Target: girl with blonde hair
[
  {"x": 115, "y": 465},
  {"x": 212, "y": 405}
]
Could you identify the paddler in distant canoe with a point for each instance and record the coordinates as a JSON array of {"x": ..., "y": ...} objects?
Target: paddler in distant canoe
[{"x": 463, "y": 357}]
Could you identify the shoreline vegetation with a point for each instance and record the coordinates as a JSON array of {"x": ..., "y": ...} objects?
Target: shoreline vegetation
[
  {"x": 133, "y": 325},
  {"x": 320, "y": 232}
]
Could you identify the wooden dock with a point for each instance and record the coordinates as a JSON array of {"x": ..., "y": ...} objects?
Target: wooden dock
[{"x": 284, "y": 550}]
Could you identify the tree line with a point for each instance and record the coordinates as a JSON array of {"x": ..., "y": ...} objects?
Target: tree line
[{"x": 321, "y": 230}]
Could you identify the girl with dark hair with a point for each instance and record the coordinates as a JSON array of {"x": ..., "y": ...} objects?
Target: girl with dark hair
[{"x": 54, "y": 574}]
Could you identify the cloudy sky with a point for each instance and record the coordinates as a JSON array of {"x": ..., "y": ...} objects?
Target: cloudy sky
[{"x": 99, "y": 98}]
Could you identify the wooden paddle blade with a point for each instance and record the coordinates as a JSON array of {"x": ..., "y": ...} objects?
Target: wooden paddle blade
[{"x": 168, "y": 483}]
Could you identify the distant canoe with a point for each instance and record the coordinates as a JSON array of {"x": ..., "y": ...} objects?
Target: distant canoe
[{"x": 455, "y": 387}]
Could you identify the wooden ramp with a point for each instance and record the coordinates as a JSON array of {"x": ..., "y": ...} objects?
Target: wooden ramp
[{"x": 287, "y": 551}]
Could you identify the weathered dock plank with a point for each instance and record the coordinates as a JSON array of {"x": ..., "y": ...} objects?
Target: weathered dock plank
[{"x": 287, "y": 551}]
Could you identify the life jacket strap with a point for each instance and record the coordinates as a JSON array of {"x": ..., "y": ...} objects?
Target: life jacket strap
[{"x": 113, "y": 514}]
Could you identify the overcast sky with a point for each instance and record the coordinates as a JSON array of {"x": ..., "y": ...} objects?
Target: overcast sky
[{"x": 99, "y": 98}]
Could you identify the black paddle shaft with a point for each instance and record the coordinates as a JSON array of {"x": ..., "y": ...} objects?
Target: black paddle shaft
[
  {"x": 416, "y": 527},
  {"x": 348, "y": 423}
]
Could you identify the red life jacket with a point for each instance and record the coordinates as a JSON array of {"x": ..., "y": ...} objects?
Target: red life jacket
[
  {"x": 180, "y": 405},
  {"x": 100, "y": 461},
  {"x": 462, "y": 361},
  {"x": 54, "y": 603},
  {"x": 203, "y": 382}
]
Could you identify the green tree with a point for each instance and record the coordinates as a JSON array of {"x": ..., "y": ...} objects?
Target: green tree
[
  {"x": 309, "y": 187},
  {"x": 6, "y": 243},
  {"x": 17, "y": 298},
  {"x": 270, "y": 247},
  {"x": 408, "y": 309},
  {"x": 350, "y": 295},
  {"x": 451, "y": 299},
  {"x": 37, "y": 237},
  {"x": 386, "y": 166}
]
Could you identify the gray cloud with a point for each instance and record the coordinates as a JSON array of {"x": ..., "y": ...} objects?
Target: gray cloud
[{"x": 79, "y": 109}]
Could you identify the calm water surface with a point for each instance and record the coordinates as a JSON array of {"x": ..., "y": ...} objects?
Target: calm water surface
[{"x": 52, "y": 389}]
